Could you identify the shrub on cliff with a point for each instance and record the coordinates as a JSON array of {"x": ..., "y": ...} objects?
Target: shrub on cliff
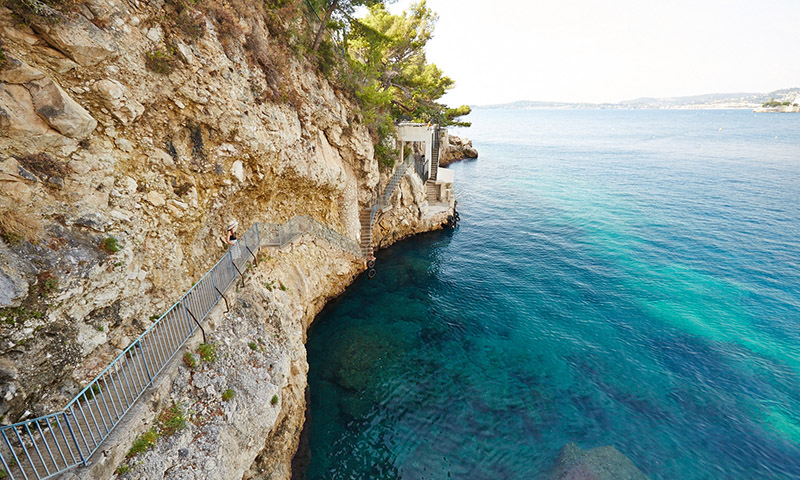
[
  {"x": 161, "y": 60},
  {"x": 31, "y": 11}
]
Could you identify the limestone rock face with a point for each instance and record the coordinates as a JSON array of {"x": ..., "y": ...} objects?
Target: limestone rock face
[
  {"x": 455, "y": 148},
  {"x": 59, "y": 110},
  {"x": 78, "y": 38},
  {"x": 117, "y": 99},
  {"x": 18, "y": 72},
  {"x": 13, "y": 284},
  {"x": 22, "y": 130},
  {"x": 131, "y": 175}
]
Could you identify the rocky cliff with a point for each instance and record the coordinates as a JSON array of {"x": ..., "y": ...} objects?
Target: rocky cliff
[
  {"x": 130, "y": 132},
  {"x": 456, "y": 148}
]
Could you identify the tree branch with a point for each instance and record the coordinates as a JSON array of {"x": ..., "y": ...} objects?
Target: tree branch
[{"x": 328, "y": 13}]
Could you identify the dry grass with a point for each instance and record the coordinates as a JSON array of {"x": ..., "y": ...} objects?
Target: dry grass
[
  {"x": 17, "y": 225},
  {"x": 32, "y": 11},
  {"x": 228, "y": 24}
]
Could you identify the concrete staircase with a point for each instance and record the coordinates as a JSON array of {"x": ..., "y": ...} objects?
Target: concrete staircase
[
  {"x": 365, "y": 216},
  {"x": 435, "y": 156},
  {"x": 431, "y": 192},
  {"x": 431, "y": 189}
]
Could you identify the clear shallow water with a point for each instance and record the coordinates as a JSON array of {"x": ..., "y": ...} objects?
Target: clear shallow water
[{"x": 626, "y": 278}]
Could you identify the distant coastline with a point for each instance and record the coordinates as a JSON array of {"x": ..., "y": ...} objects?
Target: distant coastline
[{"x": 715, "y": 101}]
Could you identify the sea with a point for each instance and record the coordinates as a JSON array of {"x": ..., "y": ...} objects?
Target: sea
[{"x": 618, "y": 277}]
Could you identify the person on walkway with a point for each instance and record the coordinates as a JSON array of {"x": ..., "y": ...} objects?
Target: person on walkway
[
  {"x": 232, "y": 238},
  {"x": 230, "y": 232}
]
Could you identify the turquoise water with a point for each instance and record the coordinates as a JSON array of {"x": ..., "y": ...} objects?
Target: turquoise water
[{"x": 626, "y": 278}]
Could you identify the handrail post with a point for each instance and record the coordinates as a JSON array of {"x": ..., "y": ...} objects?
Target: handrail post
[
  {"x": 227, "y": 306},
  {"x": 214, "y": 284},
  {"x": 195, "y": 321},
  {"x": 237, "y": 269}
]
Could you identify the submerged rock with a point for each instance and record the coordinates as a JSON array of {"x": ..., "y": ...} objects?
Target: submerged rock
[{"x": 601, "y": 463}]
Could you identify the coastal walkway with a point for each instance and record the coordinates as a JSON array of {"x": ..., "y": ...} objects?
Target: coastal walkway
[
  {"x": 49, "y": 445},
  {"x": 431, "y": 189},
  {"x": 380, "y": 205}
]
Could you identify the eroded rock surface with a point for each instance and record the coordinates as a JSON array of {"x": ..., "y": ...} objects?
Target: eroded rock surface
[
  {"x": 456, "y": 148},
  {"x": 78, "y": 38},
  {"x": 115, "y": 185},
  {"x": 601, "y": 463}
]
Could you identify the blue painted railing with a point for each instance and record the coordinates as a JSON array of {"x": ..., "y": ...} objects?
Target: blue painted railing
[{"x": 46, "y": 446}]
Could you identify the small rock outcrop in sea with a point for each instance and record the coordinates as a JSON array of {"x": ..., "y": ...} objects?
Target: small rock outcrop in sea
[
  {"x": 601, "y": 463},
  {"x": 455, "y": 148}
]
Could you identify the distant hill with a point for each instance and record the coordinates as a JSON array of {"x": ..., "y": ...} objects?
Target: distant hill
[{"x": 707, "y": 101}]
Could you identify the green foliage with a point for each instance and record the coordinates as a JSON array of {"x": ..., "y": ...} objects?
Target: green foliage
[
  {"x": 189, "y": 360},
  {"x": 227, "y": 395},
  {"x": 389, "y": 51},
  {"x": 110, "y": 245},
  {"x": 143, "y": 443},
  {"x": 161, "y": 61},
  {"x": 253, "y": 346},
  {"x": 335, "y": 15},
  {"x": 46, "y": 282},
  {"x": 283, "y": 287},
  {"x": 170, "y": 420},
  {"x": 123, "y": 468},
  {"x": 451, "y": 115},
  {"x": 386, "y": 69},
  {"x": 92, "y": 391},
  {"x": 18, "y": 315},
  {"x": 208, "y": 352},
  {"x": 274, "y": 400},
  {"x": 775, "y": 103},
  {"x": 11, "y": 238}
]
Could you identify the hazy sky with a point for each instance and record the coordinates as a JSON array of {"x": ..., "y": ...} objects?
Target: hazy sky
[{"x": 607, "y": 51}]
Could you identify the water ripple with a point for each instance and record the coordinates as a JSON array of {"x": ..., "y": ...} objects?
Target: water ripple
[{"x": 636, "y": 287}]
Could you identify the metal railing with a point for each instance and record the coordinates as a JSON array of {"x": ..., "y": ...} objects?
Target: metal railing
[
  {"x": 435, "y": 154},
  {"x": 279, "y": 235},
  {"x": 46, "y": 446},
  {"x": 395, "y": 180},
  {"x": 381, "y": 202}
]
